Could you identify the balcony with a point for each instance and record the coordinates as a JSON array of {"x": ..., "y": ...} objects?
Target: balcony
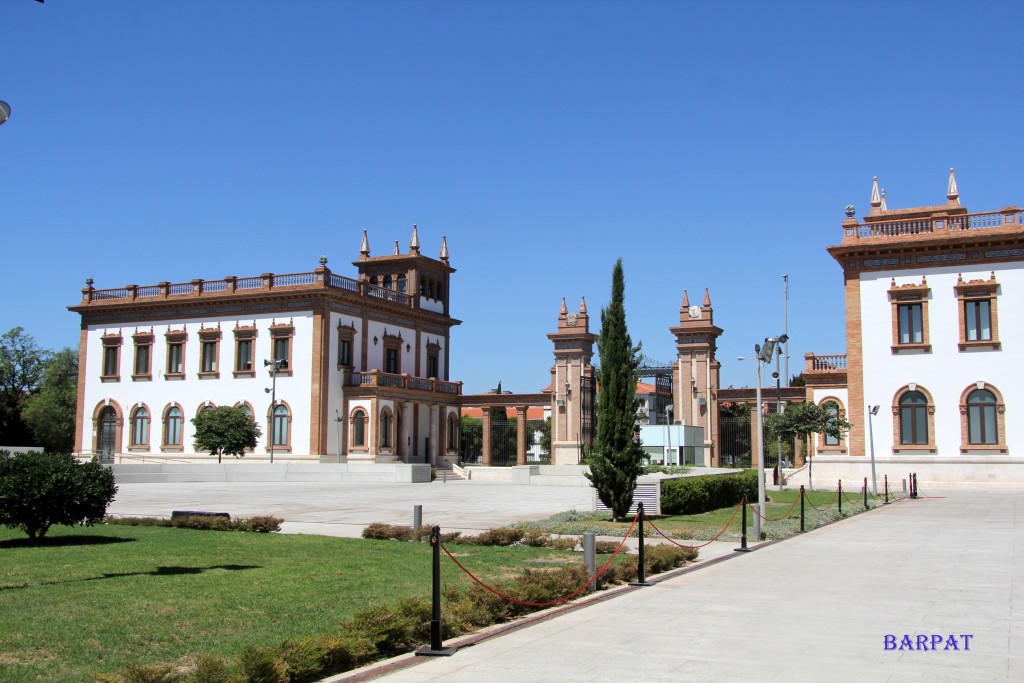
[
  {"x": 824, "y": 369},
  {"x": 318, "y": 280},
  {"x": 939, "y": 223},
  {"x": 375, "y": 379}
]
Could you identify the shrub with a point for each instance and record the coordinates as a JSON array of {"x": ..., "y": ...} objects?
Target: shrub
[
  {"x": 605, "y": 547},
  {"x": 694, "y": 495},
  {"x": 137, "y": 521},
  {"x": 535, "y": 538},
  {"x": 392, "y": 629},
  {"x": 500, "y": 536},
  {"x": 261, "y": 524},
  {"x": 157, "y": 673},
  {"x": 387, "y": 532},
  {"x": 209, "y": 669},
  {"x": 261, "y": 665},
  {"x": 202, "y": 522},
  {"x": 38, "y": 490}
]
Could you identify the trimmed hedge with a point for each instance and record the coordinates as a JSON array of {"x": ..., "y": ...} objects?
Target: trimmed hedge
[
  {"x": 261, "y": 524},
  {"x": 694, "y": 495}
]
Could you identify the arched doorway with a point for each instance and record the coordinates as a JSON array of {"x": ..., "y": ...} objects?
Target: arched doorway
[{"x": 107, "y": 440}]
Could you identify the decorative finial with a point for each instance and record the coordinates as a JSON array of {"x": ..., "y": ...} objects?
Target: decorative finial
[
  {"x": 444, "y": 249},
  {"x": 88, "y": 282},
  {"x": 414, "y": 243},
  {"x": 364, "y": 247},
  {"x": 952, "y": 192},
  {"x": 583, "y": 304},
  {"x": 323, "y": 261},
  {"x": 876, "y": 199},
  {"x": 883, "y": 207},
  {"x": 395, "y": 252},
  {"x": 707, "y": 298},
  {"x": 850, "y": 211},
  {"x": 563, "y": 310},
  {"x": 686, "y": 301}
]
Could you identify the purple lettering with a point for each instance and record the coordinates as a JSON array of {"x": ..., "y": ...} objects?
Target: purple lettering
[
  {"x": 967, "y": 640},
  {"x": 951, "y": 641},
  {"x": 922, "y": 642},
  {"x": 906, "y": 643},
  {"x": 936, "y": 639},
  {"x": 890, "y": 641}
]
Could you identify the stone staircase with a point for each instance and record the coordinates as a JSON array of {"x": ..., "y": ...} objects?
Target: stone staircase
[{"x": 451, "y": 473}]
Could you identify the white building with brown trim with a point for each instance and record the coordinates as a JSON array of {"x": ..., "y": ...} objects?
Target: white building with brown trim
[
  {"x": 363, "y": 363},
  {"x": 935, "y": 340}
]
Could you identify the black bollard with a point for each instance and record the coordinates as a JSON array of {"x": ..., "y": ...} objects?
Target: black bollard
[
  {"x": 436, "y": 649},
  {"x": 839, "y": 497},
  {"x": 913, "y": 484},
  {"x": 743, "y": 537},
  {"x": 865, "y": 493},
  {"x": 801, "y": 508},
  {"x": 641, "y": 571},
  {"x": 887, "y": 489}
]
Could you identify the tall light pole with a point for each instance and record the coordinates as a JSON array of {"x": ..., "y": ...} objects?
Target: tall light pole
[
  {"x": 338, "y": 419},
  {"x": 277, "y": 364},
  {"x": 784, "y": 339},
  {"x": 872, "y": 411},
  {"x": 785, "y": 328}
]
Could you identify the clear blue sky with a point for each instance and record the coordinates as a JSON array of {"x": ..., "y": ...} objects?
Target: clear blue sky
[{"x": 709, "y": 144}]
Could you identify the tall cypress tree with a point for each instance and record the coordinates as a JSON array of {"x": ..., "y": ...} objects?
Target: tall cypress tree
[{"x": 616, "y": 456}]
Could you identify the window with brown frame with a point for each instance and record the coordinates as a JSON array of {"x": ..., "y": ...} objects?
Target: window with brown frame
[
  {"x": 433, "y": 359},
  {"x": 982, "y": 420},
  {"x": 142, "y": 368},
  {"x": 111, "y": 370},
  {"x": 346, "y": 338},
  {"x": 910, "y": 316},
  {"x": 175, "y": 354},
  {"x": 245, "y": 345},
  {"x": 392, "y": 354},
  {"x": 358, "y": 429},
  {"x": 209, "y": 353},
  {"x": 913, "y": 416},
  {"x": 978, "y": 312},
  {"x": 281, "y": 338}
]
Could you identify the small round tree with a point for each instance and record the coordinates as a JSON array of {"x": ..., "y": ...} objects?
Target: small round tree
[
  {"x": 226, "y": 429},
  {"x": 38, "y": 490}
]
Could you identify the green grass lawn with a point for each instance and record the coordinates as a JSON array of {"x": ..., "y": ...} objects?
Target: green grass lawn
[
  {"x": 708, "y": 525},
  {"x": 95, "y": 599}
]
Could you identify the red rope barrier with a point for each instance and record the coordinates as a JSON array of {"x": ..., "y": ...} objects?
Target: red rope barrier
[
  {"x": 693, "y": 547},
  {"x": 829, "y": 504},
  {"x": 847, "y": 498},
  {"x": 786, "y": 514},
  {"x": 551, "y": 603}
]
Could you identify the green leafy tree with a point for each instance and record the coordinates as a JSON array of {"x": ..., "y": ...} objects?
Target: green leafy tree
[
  {"x": 616, "y": 456},
  {"x": 803, "y": 419},
  {"x": 50, "y": 414},
  {"x": 545, "y": 436},
  {"x": 38, "y": 490},
  {"x": 226, "y": 429},
  {"x": 22, "y": 363}
]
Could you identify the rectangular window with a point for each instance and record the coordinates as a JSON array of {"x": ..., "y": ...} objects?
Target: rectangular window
[
  {"x": 209, "y": 357},
  {"x": 910, "y": 321},
  {"x": 243, "y": 356},
  {"x": 111, "y": 359},
  {"x": 345, "y": 352},
  {"x": 142, "y": 360},
  {"x": 391, "y": 361},
  {"x": 281, "y": 350},
  {"x": 175, "y": 358},
  {"x": 432, "y": 365},
  {"x": 110, "y": 354},
  {"x": 281, "y": 347},
  {"x": 978, "y": 320}
]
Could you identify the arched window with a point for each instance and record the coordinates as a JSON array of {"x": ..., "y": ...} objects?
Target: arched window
[
  {"x": 373, "y": 280},
  {"x": 832, "y": 409},
  {"x": 453, "y": 432},
  {"x": 913, "y": 409},
  {"x": 172, "y": 426},
  {"x": 401, "y": 283},
  {"x": 387, "y": 281},
  {"x": 140, "y": 427},
  {"x": 982, "y": 418},
  {"x": 359, "y": 429},
  {"x": 385, "y": 428},
  {"x": 280, "y": 428}
]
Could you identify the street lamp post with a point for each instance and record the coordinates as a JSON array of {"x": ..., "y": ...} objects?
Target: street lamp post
[
  {"x": 872, "y": 411},
  {"x": 276, "y": 364},
  {"x": 338, "y": 418},
  {"x": 778, "y": 406}
]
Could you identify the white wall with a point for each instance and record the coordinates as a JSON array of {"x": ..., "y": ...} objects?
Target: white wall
[
  {"x": 946, "y": 371},
  {"x": 192, "y": 392}
]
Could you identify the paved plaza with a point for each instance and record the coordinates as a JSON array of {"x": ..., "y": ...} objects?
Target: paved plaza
[
  {"x": 821, "y": 606},
  {"x": 344, "y": 508}
]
